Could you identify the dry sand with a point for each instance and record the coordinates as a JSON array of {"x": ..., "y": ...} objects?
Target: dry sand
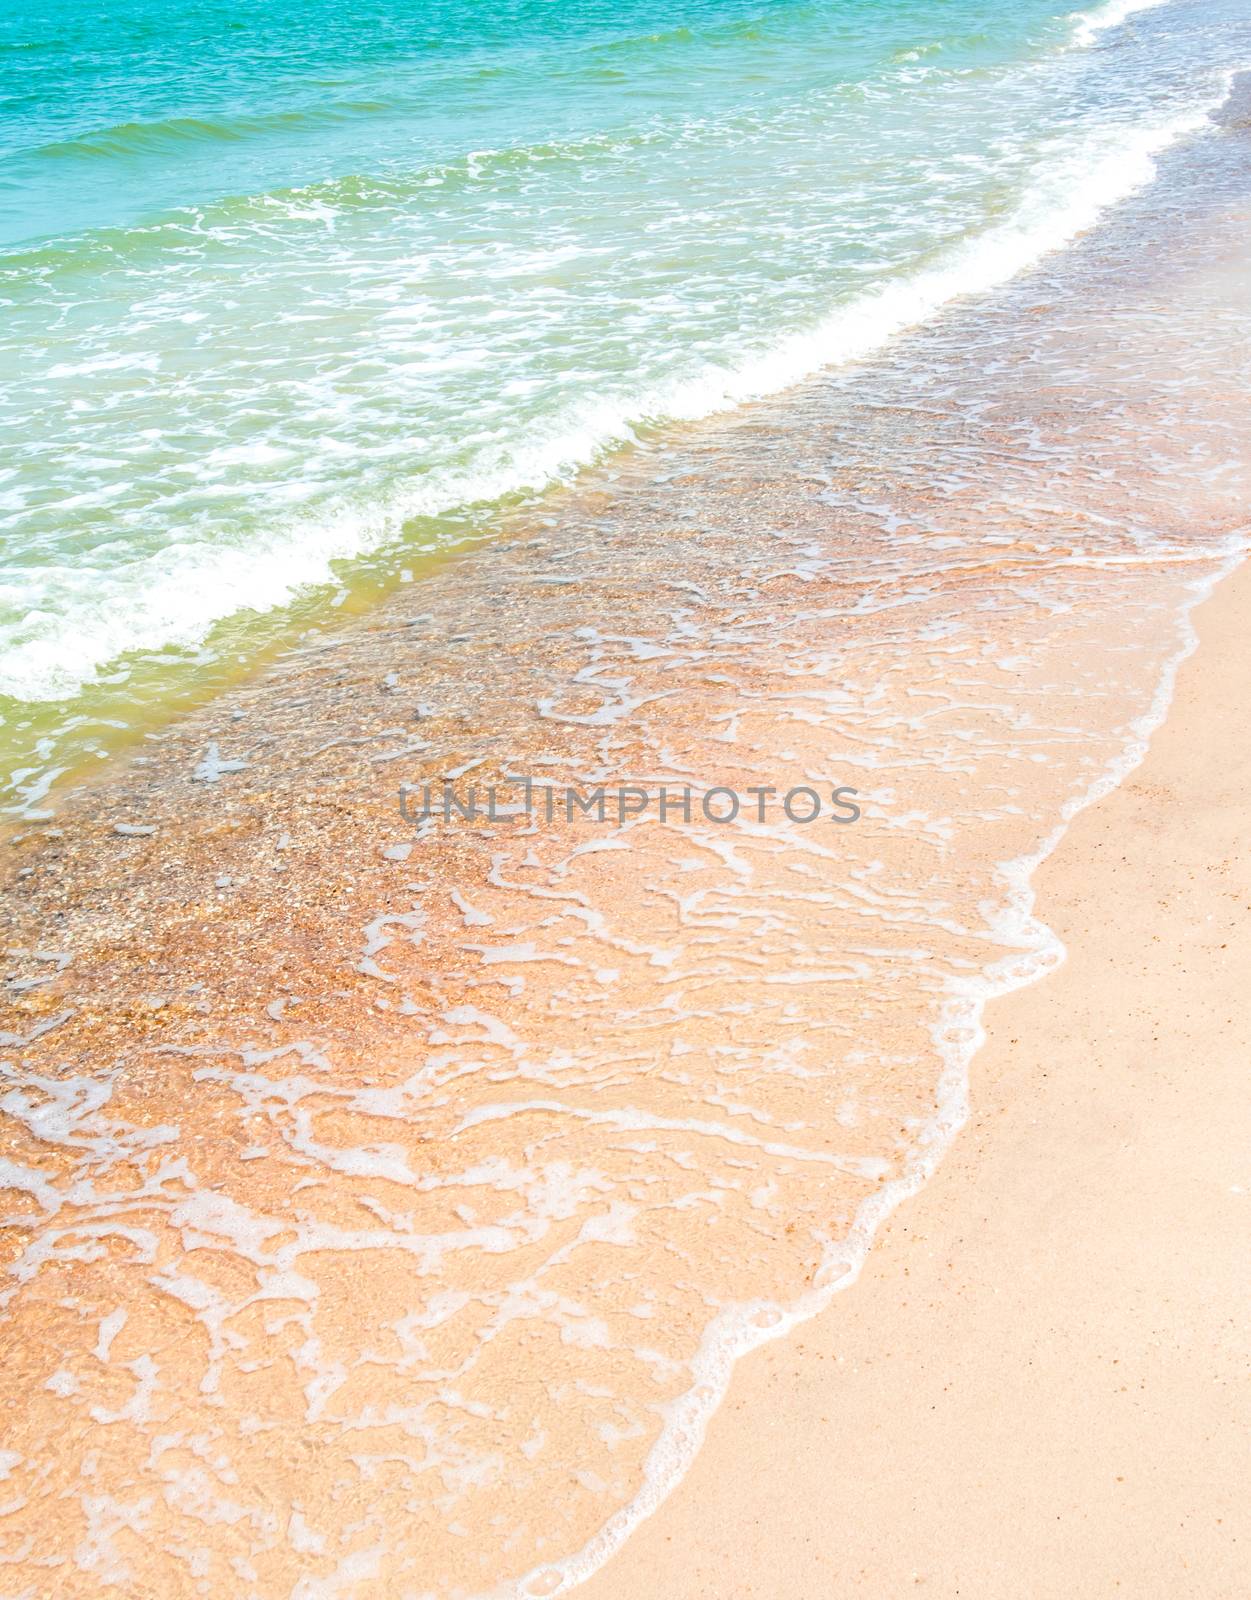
[{"x": 1040, "y": 1384}]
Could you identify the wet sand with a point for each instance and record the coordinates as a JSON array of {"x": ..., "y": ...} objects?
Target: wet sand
[{"x": 1039, "y": 1386}]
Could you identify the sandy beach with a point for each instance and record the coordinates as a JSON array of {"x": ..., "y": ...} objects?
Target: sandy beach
[
  {"x": 459, "y": 1056},
  {"x": 1039, "y": 1386}
]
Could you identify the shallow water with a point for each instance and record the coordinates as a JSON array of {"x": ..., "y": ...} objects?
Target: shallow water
[
  {"x": 338, "y": 285},
  {"x": 389, "y": 1203}
]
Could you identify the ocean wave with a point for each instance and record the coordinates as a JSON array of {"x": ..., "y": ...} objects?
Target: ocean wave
[
  {"x": 403, "y": 185},
  {"x": 174, "y": 598},
  {"x": 350, "y": 192},
  {"x": 1088, "y": 25},
  {"x": 174, "y": 134}
]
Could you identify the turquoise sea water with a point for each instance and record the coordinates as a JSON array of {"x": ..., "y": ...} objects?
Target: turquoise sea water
[{"x": 290, "y": 287}]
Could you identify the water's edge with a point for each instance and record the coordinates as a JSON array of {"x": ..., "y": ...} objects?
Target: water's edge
[{"x": 959, "y": 1037}]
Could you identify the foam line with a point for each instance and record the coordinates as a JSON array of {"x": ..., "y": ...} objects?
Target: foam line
[
  {"x": 180, "y": 592},
  {"x": 959, "y": 1034}
]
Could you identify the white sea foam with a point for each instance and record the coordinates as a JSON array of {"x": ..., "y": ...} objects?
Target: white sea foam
[
  {"x": 1088, "y": 25},
  {"x": 76, "y": 622}
]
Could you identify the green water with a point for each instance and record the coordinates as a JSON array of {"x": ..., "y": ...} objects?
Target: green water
[{"x": 295, "y": 295}]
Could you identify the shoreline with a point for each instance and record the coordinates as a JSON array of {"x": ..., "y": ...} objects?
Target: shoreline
[
  {"x": 981, "y": 1483},
  {"x": 124, "y": 695},
  {"x": 962, "y": 1033}
]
